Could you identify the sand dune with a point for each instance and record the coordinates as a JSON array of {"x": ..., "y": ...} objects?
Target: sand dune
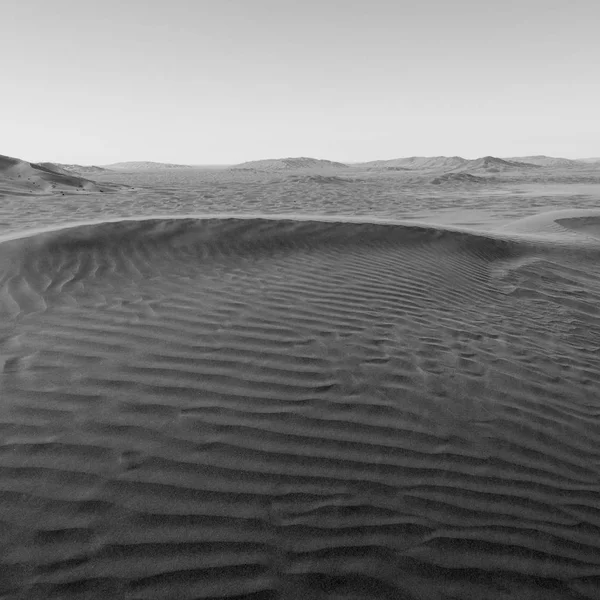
[
  {"x": 286, "y": 408},
  {"x": 18, "y": 176},
  {"x": 430, "y": 163},
  {"x": 459, "y": 178},
  {"x": 278, "y": 164},
  {"x": 317, "y": 178},
  {"x": 457, "y": 164},
  {"x": 144, "y": 166},
  {"x": 546, "y": 161},
  {"x": 82, "y": 169},
  {"x": 444, "y": 164},
  {"x": 491, "y": 164},
  {"x": 55, "y": 167}
]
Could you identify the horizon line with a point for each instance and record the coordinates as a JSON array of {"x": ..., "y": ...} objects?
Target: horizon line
[{"x": 351, "y": 162}]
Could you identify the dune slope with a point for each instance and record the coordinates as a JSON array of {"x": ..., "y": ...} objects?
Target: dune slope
[
  {"x": 277, "y": 408},
  {"x": 21, "y": 177}
]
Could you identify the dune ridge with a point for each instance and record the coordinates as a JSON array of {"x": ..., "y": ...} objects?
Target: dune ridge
[
  {"x": 18, "y": 176},
  {"x": 277, "y": 408}
]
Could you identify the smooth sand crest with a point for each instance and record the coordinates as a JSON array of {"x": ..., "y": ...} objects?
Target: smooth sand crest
[{"x": 285, "y": 408}]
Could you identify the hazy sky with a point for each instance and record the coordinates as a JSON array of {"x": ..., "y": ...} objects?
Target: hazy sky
[{"x": 224, "y": 81}]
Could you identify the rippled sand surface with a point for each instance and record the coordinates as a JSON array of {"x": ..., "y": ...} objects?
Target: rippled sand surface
[{"x": 372, "y": 388}]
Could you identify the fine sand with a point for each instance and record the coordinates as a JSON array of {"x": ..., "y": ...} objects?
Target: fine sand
[{"x": 390, "y": 403}]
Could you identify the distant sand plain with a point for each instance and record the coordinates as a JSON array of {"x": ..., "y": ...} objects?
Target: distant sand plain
[{"x": 374, "y": 382}]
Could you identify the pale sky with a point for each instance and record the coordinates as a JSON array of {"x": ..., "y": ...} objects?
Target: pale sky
[{"x": 225, "y": 81}]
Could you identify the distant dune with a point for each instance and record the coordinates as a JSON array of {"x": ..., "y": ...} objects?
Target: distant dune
[
  {"x": 390, "y": 168},
  {"x": 280, "y": 164},
  {"x": 492, "y": 164},
  {"x": 440, "y": 164},
  {"x": 449, "y": 164},
  {"x": 459, "y": 178},
  {"x": 545, "y": 161},
  {"x": 18, "y": 176},
  {"x": 315, "y": 178},
  {"x": 382, "y": 165},
  {"x": 144, "y": 166},
  {"x": 418, "y": 163},
  {"x": 81, "y": 169}
]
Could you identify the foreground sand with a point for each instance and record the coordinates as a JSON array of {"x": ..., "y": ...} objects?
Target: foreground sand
[{"x": 278, "y": 408}]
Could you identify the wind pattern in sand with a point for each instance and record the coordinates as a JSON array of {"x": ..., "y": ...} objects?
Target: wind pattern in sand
[{"x": 266, "y": 408}]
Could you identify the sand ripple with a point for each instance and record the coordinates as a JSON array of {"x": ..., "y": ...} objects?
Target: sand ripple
[{"x": 282, "y": 408}]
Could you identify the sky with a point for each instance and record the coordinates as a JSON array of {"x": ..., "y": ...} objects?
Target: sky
[{"x": 227, "y": 81}]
